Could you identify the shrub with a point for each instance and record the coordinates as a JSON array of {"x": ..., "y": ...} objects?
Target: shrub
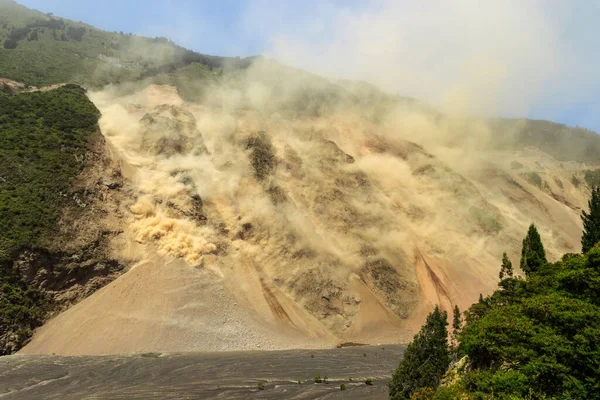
[
  {"x": 342, "y": 386},
  {"x": 368, "y": 381}
]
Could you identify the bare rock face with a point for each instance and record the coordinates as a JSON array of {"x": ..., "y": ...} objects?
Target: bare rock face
[
  {"x": 285, "y": 231},
  {"x": 79, "y": 260},
  {"x": 170, "y": 130}
]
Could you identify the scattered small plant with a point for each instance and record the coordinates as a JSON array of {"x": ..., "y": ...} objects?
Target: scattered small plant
[
  {"x": 325, "y": 378},
  {"x": 350, "y": 379},
  {"x": 312, "y": 356},
  {"x": 299, "y": 382},
  {"x": 342, "y": 386},
  {"x": 260, "y": 385},
  {"x": 364, "y": 354},
  {"x": 369, "y": 381},
  {"x": 318, "y": 379}
]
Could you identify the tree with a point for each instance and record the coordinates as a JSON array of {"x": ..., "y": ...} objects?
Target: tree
[
  {"x": 506, "y": 270},
  {"x": 533, "y": 255},
  {"x": 425, "y": 359},
  {"x": 456, "y": 325},
  {"x": 591, "y": 222}
]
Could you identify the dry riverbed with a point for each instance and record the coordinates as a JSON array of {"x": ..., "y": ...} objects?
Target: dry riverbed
[{"x": 231, "y": 375}]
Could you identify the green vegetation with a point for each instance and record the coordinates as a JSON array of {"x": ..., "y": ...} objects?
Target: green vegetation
[
  {"x": 533, "y": 338},
  {"x": 560, "y": 141},
  {"x": 43, "y": 140},
  {"x": 456, "y": 325},
  {"x": 592, "y": 177},
  {"x": 40, "y": 49},
  {"x": 369, "y": 381},
  {"x": 425, "y": 359},
  {"x": 591, "y": 222},
  {"x": 486, "y": 221},
  {"x": 21, "y": 309},
  {"x": 534, "y": 178},
  {"x": 342, "y": 386},
  {"x": 506, "y": 270},
  {"x": 260, "y": 385},
  {"x": 533, "y": 255},
  {"x": 318, "y": 379}
]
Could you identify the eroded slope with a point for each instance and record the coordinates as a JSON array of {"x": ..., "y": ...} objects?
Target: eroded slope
[{"x": 307, "y": 228}]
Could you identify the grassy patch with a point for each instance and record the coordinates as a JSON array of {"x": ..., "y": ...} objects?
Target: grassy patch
[
  {"x": 486, "y": 221},
  {"x": 534, "y": 178}
]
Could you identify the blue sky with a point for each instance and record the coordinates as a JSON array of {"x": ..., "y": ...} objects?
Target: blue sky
[{"x": 538, "y": 58}]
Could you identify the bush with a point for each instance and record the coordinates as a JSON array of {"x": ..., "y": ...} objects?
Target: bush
[
  {"x": 10, "y": 44},
  {"x": 342, "y": 386},
  {"x": 368, "y": 381}
]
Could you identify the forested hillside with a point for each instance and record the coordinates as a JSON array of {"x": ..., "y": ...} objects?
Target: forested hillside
[
  {"x": 43, "y": 140},
  {"x": 536, "y": 337}
]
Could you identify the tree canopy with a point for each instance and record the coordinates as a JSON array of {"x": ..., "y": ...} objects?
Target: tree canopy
[
  {"x": 425, "y": 359},
  {"x": 533, "y": 255},
  {"x": 533, "y": 338},
  {"x": 591, "y": 222}
]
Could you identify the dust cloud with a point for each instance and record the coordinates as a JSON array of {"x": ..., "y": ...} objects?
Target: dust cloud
[{"x": 332, "y": 201}]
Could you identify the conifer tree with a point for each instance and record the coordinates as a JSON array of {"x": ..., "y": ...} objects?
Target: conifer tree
[
  {"x": 506, "y": 270},
  {"x": 591, "y": 222},
  {"x": 456, "y": 325},
  {"x": 425, "y": 359},
  {"x": 533, "y": 255}
]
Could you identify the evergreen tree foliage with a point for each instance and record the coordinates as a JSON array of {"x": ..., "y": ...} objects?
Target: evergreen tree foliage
[
  {"x": 540, "y": 340},
  {"x": 456, "y": 321},
  {"x": 506, "y": 270},
  {"x": 456, "y": 325},
  {"x": 425, "y": 359},
  {"x": 591, "y": 222},
  {"x": 533, "y": 255}
]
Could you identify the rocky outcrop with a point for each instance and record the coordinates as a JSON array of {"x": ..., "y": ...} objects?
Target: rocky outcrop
[{"x": 79, "y": 259}]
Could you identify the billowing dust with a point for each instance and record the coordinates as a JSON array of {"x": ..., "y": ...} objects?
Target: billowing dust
[
  {"x": 300, "y": 213},
  {"x": 361, "y": 223}
]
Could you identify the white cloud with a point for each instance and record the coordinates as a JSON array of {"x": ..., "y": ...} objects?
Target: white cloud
[{"x": 488, "y": 57}]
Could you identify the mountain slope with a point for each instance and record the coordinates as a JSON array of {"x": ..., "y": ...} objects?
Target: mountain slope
[
  {"x": 313, "y": 230},
  {"x": 253, "y": 204},
  {"x": 40, "y": 49}
]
